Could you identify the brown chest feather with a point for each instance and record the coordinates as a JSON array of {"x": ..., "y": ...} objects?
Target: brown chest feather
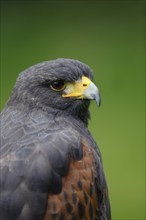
[{"x": 77, "y": 199}]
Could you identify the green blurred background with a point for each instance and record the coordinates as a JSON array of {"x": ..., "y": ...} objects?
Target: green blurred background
[{"x": 108, "y": 36}]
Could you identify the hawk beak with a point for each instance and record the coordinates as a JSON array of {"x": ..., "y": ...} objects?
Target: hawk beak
[{"x": 82, "y": 89}]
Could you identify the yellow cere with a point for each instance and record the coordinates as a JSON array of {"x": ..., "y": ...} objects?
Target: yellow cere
[{"x": 77, "y": 88}]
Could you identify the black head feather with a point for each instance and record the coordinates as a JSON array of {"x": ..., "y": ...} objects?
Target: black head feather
[{"x": 32, "y": 88}]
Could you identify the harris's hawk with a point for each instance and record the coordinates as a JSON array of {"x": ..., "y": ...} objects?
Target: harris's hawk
[{"x": 50, "y": 166}]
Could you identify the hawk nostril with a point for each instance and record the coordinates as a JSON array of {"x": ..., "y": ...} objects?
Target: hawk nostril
[{"x": 84, "y": 84}]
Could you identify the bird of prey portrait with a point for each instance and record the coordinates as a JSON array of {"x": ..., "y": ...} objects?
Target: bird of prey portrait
[{"x": 50, "y": 165}]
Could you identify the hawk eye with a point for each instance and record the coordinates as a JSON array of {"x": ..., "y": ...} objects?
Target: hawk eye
[{"x": 57, "y": 85}]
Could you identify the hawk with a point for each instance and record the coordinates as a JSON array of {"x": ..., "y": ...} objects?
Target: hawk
[{"x": 50, "y": 166}]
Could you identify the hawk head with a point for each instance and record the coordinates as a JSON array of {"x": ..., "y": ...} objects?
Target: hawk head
[{"x": 61, "y": 86}]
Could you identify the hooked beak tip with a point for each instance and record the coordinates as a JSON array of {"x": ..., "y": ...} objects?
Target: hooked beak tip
[
  {"x": 98, "y": 100},
  {"x": 92, "y": 92}
]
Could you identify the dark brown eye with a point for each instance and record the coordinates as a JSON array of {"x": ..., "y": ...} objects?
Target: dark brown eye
[{"x": 57, "y": 85}]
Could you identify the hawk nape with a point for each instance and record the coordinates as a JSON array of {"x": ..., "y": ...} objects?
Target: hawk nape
[{"x": 50, "y": 166}]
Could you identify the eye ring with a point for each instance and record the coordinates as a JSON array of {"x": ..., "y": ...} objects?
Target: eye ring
[{"x": 57, "y": 85}]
